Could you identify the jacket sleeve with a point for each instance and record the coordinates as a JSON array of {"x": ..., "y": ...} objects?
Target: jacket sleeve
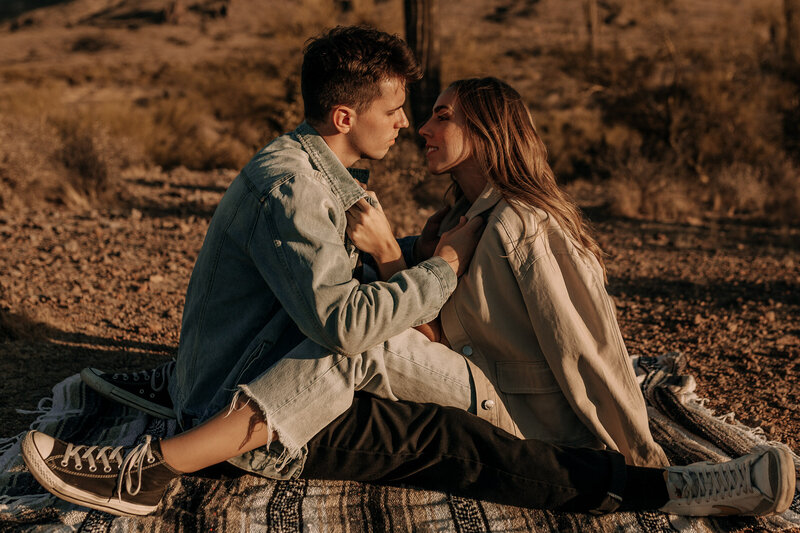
[
  {"x": 573, "y": 320},
  {"x": 298, "y": 246}
]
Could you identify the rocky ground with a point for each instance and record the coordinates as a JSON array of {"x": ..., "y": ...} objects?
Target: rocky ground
[{"x": 105, "y": 288}]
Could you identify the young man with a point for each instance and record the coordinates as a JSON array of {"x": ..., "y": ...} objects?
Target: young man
[{"x": 273, "y": 313}]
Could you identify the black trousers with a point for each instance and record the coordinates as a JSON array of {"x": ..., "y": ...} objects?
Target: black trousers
[{"x": 446, "y": 449}]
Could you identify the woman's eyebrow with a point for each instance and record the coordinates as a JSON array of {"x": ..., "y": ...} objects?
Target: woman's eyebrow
[{"x": 442, "y": 107}]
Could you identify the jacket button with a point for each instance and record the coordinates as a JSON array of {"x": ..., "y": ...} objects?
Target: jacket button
[
  {"x": 487, "y": 404},
  {"x": 467, "y": 350}
]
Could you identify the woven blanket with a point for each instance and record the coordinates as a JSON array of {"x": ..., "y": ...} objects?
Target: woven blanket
[{"x": 680, "y": 422}]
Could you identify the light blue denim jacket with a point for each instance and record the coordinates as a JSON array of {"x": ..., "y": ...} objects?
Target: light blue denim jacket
[{"x": 276, "y": 267}]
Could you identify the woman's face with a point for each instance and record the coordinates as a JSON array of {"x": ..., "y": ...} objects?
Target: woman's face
[{"x": 447, "y": 147}]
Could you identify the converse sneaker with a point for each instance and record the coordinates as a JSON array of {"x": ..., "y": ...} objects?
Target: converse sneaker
[
  {"x": 111, "y": 479},
  {"x": 145, "y": 390},
  {"x": 757, "y": 484}
]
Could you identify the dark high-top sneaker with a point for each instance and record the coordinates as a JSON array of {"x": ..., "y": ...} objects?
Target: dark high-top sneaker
[
  {"x": 145, "y": 390},
  {"x": 117, "y": 480}
]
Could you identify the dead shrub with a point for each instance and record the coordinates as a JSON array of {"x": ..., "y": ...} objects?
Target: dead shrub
[
  {"x": 741, "y": 188},
  {"x": 80, "y": 152},
  {"x": 182, "y": 135},
  {"x": 699, "y": 123}
]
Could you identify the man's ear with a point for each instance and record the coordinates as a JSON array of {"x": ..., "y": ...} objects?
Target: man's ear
[{"x": 343, "y": 118}]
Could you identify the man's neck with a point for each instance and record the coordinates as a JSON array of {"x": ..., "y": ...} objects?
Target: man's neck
[{"x": 338, "y": 144}]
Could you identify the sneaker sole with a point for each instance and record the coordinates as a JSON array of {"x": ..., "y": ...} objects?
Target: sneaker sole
[
  {"x": 785, "y": 494},
  {"x": 38, "y": 468},
  {"x": 92, "y": 378}
]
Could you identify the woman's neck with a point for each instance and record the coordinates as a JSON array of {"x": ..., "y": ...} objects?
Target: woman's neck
[{"x": 471, "y": 181}]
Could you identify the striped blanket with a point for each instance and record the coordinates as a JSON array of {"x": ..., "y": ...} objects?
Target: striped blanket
[{"x": 223, "y": 500}]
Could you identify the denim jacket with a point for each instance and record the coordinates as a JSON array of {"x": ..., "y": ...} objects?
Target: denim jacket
[{"x": 276, "y": 267}]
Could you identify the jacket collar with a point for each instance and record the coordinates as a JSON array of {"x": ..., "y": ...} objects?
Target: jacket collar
[
  {"x": 484, "y": 202},
  {"x": 344, "y": 181}
]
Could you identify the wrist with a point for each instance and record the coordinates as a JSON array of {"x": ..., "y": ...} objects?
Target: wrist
[{"x": 390, "y": 253}]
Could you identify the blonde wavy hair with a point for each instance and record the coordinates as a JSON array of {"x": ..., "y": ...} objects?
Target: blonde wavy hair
[{"x": 513, "y": 157}]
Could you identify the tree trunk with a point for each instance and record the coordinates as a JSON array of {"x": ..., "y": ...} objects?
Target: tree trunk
[
  {"x": 791, "y": 9},
  {"x": 592, "y": 24},
  {"x": 422, "y": 35}
]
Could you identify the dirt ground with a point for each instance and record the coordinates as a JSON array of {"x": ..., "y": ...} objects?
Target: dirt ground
[{"x": 106, "y": 289}]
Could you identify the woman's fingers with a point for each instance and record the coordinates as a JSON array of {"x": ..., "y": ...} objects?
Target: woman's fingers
[{"x": 439, "y": 215}]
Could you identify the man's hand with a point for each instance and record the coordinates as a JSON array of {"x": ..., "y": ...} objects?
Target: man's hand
[
  {"x": 371, "y": 232},
  {"x": 425, "y": 245},
  {"x": 457, "y": 245}
]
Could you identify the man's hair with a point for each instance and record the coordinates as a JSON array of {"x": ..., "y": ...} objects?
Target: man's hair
[{"x": 345, "y": 65}]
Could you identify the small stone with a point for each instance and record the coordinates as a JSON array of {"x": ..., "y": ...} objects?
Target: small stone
[
  {"x": 770, "y": 316},
  {"x": 136, "y": 214}
]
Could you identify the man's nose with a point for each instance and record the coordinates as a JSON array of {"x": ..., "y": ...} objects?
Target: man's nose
[{"x": 403, "y": 120}]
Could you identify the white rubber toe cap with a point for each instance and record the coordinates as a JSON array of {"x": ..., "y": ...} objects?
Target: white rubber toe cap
[{"x": 44, "y": 443}]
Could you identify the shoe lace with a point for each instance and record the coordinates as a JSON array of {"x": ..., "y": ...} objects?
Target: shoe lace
[
  {"x": 134, "y": 460},
  {"x": 715, "y": 482},
  {"x": 92, "y": 455},
  {"x": 131, "y": 464},
  {"x": 158, "y": 376}
]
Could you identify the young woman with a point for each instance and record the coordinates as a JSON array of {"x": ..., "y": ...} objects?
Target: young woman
[{"x": 531, "y": 314}]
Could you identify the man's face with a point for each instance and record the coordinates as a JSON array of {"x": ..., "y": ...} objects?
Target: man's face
[{"x": 376, "y": 127}]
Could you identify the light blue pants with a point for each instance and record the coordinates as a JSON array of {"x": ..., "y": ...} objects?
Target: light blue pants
[{"x": 309, "y": 388}]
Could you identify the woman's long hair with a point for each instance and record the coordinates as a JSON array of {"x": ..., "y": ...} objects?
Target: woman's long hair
[{"x": 513, "y": 157}]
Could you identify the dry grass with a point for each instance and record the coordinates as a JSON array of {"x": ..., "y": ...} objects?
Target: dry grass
[{"x": 673, "y": 128}]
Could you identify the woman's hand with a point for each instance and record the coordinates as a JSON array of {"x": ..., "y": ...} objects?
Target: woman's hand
[
  {"x": 371, "y": 232},
  {"x": 433, "y": 330},
  {"x": 429, "y": 238},
  {"x": 457, "y": 245}
]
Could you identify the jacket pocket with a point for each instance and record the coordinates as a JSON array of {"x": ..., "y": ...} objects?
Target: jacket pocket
[{"x": 526, "y": 378}]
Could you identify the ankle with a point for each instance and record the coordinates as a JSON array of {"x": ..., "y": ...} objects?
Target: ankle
[{"x": 170, "y": 458}]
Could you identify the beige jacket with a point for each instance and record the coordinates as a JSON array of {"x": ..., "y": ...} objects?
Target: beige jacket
[{"x": 549, "y": 361}]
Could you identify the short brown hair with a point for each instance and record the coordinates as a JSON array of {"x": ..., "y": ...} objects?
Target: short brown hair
[{"x": 345, "y": 65}]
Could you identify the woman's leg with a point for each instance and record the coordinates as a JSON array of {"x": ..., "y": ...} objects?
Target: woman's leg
[{"x": 224, "y": 436}]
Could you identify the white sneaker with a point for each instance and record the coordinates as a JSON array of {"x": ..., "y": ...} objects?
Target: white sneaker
[{"x": 756, "y": 484}]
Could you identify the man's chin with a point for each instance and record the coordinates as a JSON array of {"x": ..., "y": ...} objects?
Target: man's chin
[{"x": 375, "y": 155}]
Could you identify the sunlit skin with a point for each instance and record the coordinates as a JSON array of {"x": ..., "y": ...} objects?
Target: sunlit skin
[
  {"x": 447, "y": 146},
  {"x": 369, "y": 133}
]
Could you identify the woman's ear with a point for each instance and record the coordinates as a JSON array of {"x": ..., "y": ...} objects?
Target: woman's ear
[{"x": 342, "y": 117}]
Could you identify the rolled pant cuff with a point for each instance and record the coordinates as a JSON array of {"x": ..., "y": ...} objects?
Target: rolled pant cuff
[
  {"x": 280, "y": 459},
  {"x": 616, "y": 487}
]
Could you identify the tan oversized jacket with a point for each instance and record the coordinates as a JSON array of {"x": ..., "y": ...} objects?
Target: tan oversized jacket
[{"x": 549, "y": 361}]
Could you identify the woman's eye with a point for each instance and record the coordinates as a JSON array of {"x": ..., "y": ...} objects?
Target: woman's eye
[{"x": 442, "y": 117}]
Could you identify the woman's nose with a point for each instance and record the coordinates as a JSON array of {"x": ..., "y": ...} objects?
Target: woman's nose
[{"x": 423, "y": 130}]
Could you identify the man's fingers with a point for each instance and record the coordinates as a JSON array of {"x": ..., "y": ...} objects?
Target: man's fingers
[
  {"x": 361, "y": 205},
  {"x": 375, "y": 203}
]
